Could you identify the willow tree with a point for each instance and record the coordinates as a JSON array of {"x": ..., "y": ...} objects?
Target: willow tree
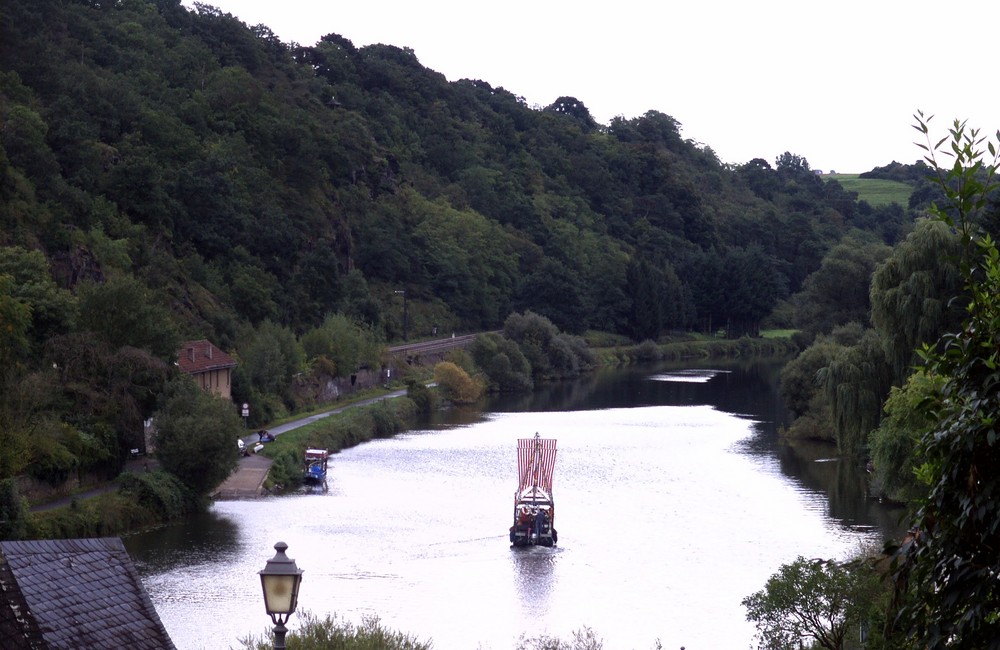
[
  {"x": 913, "y": 293},
  {"x": 857, "y": 381}
]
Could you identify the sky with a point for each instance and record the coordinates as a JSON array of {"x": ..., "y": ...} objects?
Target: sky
[{"x": 835, "y": 83}]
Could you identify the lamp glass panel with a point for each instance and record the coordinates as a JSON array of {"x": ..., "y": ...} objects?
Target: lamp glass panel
[{"x": 279, "y": 593}]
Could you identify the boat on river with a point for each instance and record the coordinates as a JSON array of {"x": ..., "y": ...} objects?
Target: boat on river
[
  {"x": 534, "y": 507},
  {"x": 314, "y": 467}
]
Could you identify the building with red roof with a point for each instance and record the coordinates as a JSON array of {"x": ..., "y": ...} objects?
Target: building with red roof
[{"x": 208, "y": 365}]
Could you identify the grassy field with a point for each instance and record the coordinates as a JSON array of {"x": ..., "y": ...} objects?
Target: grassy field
[{"x": 874, "y": 191}]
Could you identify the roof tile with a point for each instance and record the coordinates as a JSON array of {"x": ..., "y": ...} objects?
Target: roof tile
[
  {"x": 78, "y": 593},
  {"x": 201, "y": 356}
]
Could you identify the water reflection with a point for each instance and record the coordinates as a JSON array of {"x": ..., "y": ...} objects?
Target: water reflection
[
  {"x": 534, "y": 576},
  {"x": 204, "y": 538}
]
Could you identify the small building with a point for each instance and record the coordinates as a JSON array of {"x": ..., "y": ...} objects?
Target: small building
[
  {"x": 209, "y": 366},
  {"x": 75, "y": 593}
]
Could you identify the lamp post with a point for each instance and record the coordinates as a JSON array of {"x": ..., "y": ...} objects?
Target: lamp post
[
  {"x": 405, "y": 313},
  {"x": 280, "y": 579}
]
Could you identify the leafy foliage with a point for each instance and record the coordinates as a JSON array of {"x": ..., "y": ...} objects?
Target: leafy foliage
[
  {"x": 837, "y": 293},
  {"x": 818, "y": 601},
  {"x": 894, "y": 443},
  {"x": 138, "y": 321},
  {"x": 915, "y": 293},
  {"x": 950, "y": 564},
  {"x": 506, "y": 367},
  {"x": 170, "y": 173},
  {"x": 196, "y": 436},
  {"x": 340, "y": 341},
  {"x": 549, "y": 352},
  {"x": 287, "y": 167},
  {"x": 13, "y": 511},
  {"x": 456, "y": 384},
  {"x": 158, "y": 491},
  {"x": 323, "y": 634}
]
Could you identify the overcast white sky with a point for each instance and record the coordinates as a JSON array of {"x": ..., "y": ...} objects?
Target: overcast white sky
[{"x": 836, "y": 83}]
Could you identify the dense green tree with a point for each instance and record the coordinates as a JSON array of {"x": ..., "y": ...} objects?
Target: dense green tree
[
  {"x": 950, "y": 564},
  {"x": 573, "y": 107},
  {"x": 552, "y": 291},
  {"x": 506, "y": 367},
  {"x": 803, "y": 383},
  {"x": 340, "y": 341},
  {"x": 733, "y": 289},
  {"x": 13, "y": 511},
  {"x": 110, "y": 392},
  {"x": 52, "y": 309},
  {"x": 648, "y": 301},
  {"x": 838, "y": 292},
  {"x": 28, "y": 400},
  {"x": 270, "y": 354},
  {"x": 893, "y": 444},
  {"x": 139, "y": 319},
  {"x": 317, "y": 285},
  {"x": 550, "y": 352},
  {"x": 761, "y": 178},
  {"x": 800, "y": 377},
  {"x": 15, "y": 324},
  {"x": 819, "y": 602},
  {"x": 196, "y": 436},
  {"x": 469, "y": 263}
]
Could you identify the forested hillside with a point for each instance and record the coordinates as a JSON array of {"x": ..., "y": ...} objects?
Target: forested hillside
[
  {"x": 242, "y": 179},
  {"x": 168, "y": 174}
]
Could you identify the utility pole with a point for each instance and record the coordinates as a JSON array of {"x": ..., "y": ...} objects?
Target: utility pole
[{"x": 405, "y": 314}]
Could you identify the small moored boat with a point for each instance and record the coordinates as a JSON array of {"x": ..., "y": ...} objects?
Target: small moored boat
[{"x": 314, "y": 467}]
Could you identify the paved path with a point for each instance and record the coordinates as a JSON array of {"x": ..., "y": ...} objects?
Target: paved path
[{"x": 248, "y": 480}]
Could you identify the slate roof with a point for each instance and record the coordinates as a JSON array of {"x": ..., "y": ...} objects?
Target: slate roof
[
  {"x": 201, "y": 356},
  {"x": 72, "y": 594}
]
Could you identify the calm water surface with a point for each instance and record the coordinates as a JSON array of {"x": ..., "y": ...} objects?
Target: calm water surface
[{"x": 673, "y": 502}]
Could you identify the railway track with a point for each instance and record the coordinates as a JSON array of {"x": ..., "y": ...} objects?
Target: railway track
[{"x": 436, "y": 346}]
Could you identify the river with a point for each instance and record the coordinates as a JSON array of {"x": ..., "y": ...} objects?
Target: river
[{"x": 674, "y": 502}]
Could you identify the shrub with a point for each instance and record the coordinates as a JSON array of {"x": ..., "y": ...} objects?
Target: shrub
[
  {"x": 583, "y": 639},
  {"x": 648, "y": 351},
  {"x": 158, "y": 491},
  {"x": 456, "y": 384},
  {"x": 328, "y": 633},
  {"x": 423, "y": 397}
]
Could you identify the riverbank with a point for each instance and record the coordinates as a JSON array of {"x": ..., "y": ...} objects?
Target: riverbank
[
  {"x": 248, "y": 481},
  {"x": 150, "y": 498}
]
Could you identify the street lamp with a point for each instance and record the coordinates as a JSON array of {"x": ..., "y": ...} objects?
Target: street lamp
[
  {"x": 405, "y": 313},
  {"x": 280, "y": 580}
]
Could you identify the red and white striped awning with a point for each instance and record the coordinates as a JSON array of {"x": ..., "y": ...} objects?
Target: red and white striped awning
[{"x": 536, "y": 462}]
